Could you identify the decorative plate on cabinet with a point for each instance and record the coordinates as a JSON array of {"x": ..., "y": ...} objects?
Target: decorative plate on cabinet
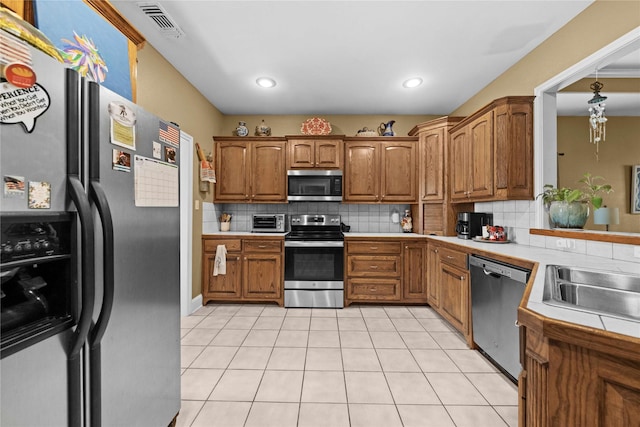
[{"x": 316, "y": 126}]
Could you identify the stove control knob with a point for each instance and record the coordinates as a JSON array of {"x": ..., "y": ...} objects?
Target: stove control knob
[
  {"x": 7, "y": 248},
  {"x": 36, "y": 246},
  {"x": 45, "y": 244},
  {"x": 17, "y": 248},
  {"x": 27, "y": 246}
]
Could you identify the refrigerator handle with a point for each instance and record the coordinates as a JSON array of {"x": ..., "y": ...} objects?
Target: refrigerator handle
[
  {"x": 99, "y": 198},
  {"x": 87, "y": 276}
]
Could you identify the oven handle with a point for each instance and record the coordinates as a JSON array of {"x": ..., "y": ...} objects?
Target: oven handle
[{"x": 313, "y": 244}]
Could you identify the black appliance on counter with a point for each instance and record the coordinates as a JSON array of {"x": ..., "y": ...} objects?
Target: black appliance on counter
[
  {"x": 470, "y": 224},
  {"x": 314, "y": 185},
  {"x": 314, "y": 262},
  {"x": 269, "y": 223}
]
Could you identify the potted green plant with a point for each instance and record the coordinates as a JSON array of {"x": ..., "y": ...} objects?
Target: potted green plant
[{"x": 569, "y": 207}]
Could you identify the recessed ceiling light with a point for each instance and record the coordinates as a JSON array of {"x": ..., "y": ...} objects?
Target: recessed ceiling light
[
  {"x": 265, "y": 82},
  {"x": 412, "y": 82}
]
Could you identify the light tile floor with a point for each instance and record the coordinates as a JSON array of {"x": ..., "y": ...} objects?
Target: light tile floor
[{"x": 369, "y": 366}]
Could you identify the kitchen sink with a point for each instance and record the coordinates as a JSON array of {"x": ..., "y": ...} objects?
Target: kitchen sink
[{"x": 595, "y": 291}]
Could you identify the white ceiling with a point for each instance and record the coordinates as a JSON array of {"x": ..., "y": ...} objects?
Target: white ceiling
[{"x": 348, "y": 57}]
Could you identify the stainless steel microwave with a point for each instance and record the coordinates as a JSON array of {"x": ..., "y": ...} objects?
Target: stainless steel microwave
[{"x": 315, "y": 185}]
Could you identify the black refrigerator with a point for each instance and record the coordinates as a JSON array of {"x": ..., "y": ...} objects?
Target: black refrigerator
[{"x": 90, "y": 254}]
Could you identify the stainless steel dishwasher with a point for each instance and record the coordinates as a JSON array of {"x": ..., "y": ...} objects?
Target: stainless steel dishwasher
[{"x": 496, "y": 291}]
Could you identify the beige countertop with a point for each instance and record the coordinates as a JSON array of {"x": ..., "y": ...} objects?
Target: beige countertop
[
  {"x": 546, "y": 257},
  {"x": 243, "y": 233}
]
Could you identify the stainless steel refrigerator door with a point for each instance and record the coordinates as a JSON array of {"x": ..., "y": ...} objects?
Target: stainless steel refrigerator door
[
  {"x": 141, "y": 346},
  {"x": 34, "y": 380},
  {"x": 34, "y": 385},
  {"x": 39, "y": 156}
]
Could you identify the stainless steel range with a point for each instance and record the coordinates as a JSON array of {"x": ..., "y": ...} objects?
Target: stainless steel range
[{"x": 314, "y": 262}]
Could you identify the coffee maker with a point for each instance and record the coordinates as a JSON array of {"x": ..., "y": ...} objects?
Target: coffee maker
[{"x": 470, "y": 224}]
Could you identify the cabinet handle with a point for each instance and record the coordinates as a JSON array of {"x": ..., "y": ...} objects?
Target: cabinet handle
[
  {"x": 373, "y": 289},
  {"x": 373, "y": 248},
  {"x": 406, "y": 247},
  {"x": 435, "y": 250},
  {"x": 262, "y": 246},
  {"x": 238, "y": 258},
  {"x": 373, "y": 267},
  {"x": 461, "y": 277},
  {"x": 245, "y": 258},
  {"x": 449, "y": 257}
]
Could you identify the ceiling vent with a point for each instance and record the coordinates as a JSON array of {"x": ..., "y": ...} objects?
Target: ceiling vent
[{"x": 161, "y": 18}]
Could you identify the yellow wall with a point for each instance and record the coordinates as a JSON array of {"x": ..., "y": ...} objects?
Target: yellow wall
[
  {"x": 163, "y": 91},
  {"x": 598, "y": 25},
  {"x": 616, "y": 156}
]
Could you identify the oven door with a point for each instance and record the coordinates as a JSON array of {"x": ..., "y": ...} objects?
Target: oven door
[{"x": 321, "y": 262}]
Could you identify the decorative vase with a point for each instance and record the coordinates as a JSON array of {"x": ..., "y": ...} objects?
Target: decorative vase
[
  {"x": 263, "y": 130},
  {"x": 569, "y": 215},
  {"x": 407, "y": 222},
  {"x": 386, "y": 129},
  {"x": 242, "y": 130}
]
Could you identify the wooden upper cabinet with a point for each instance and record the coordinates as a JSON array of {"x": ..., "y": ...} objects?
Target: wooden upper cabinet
[
  {"x": 381, "y": 170},
  {"x": 250, "y": 169},
  {"x": 459, "y": 159},
  {"x": 432, "y": 161},
  {"x": 233, "y": 169},
  {"x": 268, "y": 179},
  {"x": 481, "y": 151},
  {"x": 491, "y": 152},
  {"x": 514, "y": 144},
  {"x": 399, "y": 172},
  {"x": 314, "y": 152},
  {"x": 361, "y": 175}
]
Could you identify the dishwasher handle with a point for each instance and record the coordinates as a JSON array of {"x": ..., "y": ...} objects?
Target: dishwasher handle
[{"x": 497, "y": 269}]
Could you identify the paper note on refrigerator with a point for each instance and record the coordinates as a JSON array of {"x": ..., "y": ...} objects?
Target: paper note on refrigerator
[{"x": 157, "y": 183}]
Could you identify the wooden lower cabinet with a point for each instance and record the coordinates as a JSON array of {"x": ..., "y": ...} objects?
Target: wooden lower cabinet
[
  {"x": 414, "y": 259},
  {"x": 262, "y": 276},
  {"x": 389, "y": 270},
  {"x": 578, "y": 378},
  {"x": 254, "y": 270},
  {"x": 448, "y": 288}
]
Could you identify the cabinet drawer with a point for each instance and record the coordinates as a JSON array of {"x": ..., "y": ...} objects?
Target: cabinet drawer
[
  {"x": 451, "y": 257},
  {"x": 373, "y": 248},
  {"x": 271, "y": 246},
  {"x": 373, "y": 266},
  {"x": 232, "y": 245},
  {"x": 373, "y": 289}
]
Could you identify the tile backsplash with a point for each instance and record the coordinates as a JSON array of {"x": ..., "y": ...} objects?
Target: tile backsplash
[
  {"x": 361, "y": 218},
  {"x": 517, "y": 216}
]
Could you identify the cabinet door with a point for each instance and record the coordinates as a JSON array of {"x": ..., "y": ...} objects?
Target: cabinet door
[
  {"x": 361, "y": 175},
  {"x": 459, "y": 165},
  {"x": 414, "y": 271},
  {"x": 398, "y": 168},
  {"x": 454, "y": 296},
  {"x": 262, "y": 276},
  {"x": 233, "y": 171},
  {"x": 301, "y": 154},
  {"x": 328, "y": 154},
  {"x": 481, "y": 152},
  {"x": 433, "y": 277},
  {"x": 268, "y": 183},
  {"x": 432, "y": 165},
  {"x": 514, "y": 136},
  {"x": 224, "y": 286}
]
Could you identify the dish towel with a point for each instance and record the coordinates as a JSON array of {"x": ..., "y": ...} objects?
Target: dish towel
[{"x": 220, "y": 264}]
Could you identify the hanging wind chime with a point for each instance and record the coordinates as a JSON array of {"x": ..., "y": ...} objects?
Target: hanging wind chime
[{"x": 597, "y": 119}]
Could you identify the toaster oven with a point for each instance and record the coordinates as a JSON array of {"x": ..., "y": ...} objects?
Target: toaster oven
[{"x": 268, "y": 223}]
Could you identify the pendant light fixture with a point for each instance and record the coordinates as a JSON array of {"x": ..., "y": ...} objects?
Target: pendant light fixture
[{"x": 597, "y": 118}]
